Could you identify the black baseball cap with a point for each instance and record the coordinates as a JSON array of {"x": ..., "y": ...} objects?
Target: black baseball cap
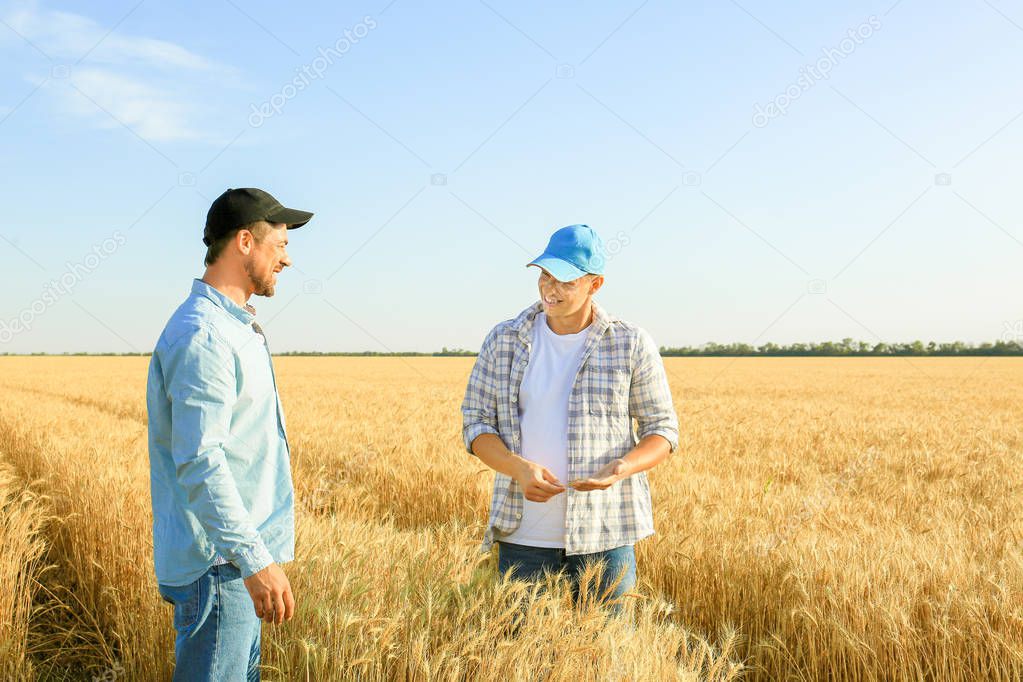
[{"x": 237, "y": 207}]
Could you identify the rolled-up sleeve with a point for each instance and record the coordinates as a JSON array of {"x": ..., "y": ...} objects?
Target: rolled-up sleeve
[
  {"x": 479, "y": 406},
  {"x": 650, "y": 400},
  {"x": 199, "y": 374}
]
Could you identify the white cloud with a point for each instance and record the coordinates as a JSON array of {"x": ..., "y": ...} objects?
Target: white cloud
[
  {"x": 138, "y": 80},
  {"x": 153, "y": 113},
  {"x": 64, "y": 35}
]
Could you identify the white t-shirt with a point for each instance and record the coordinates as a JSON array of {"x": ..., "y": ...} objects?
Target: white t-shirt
[{"x": 543, "y": 417}]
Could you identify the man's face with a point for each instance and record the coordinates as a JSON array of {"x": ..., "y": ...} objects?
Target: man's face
[
  {"x": 266, "y": 259},
  {"x": 566, "y": 298}
]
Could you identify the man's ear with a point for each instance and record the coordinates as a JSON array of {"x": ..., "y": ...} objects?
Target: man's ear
[
  {"x": 244, "y": 241},
  {"x": 596, "y": 283}
]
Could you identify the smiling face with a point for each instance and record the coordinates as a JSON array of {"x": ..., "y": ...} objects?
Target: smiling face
[
  {"x": 266, "y": 257},
  {"x": 567, "y": 299}
]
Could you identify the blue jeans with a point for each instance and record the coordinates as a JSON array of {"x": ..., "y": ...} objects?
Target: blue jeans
[
  {"x": 530, "y": 564},
  {"x": 218, "y": 631}
]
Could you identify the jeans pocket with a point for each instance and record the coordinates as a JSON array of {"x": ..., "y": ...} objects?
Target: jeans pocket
[{"x": 186, "y": 600}]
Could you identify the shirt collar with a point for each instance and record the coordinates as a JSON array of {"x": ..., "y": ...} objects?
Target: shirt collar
[
  {"x": 244, "y": 314},
  {"x": 523, "y": 324}
]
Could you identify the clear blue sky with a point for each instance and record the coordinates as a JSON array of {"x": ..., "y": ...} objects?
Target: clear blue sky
[{"x": 441, "y": 143}]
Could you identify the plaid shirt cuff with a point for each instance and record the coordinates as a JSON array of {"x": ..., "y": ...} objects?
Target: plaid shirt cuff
[
  {"x": 670, "y": 435},
  {"x": 473, "y": 431}
]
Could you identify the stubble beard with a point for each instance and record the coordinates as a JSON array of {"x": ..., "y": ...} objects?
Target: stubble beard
[{"x": 261, "y": 286}]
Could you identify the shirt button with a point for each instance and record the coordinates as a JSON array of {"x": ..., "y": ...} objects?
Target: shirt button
[{"x": 519, "y": 515}]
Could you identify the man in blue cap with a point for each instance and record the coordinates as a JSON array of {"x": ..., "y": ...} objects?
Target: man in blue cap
[{"x": 549, "y": 406}]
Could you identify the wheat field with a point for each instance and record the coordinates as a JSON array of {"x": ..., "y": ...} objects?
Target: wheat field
[{"x": 831, "y": 518}]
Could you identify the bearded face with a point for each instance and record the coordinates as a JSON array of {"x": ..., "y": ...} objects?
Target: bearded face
[{"x": 268, "y": 257}]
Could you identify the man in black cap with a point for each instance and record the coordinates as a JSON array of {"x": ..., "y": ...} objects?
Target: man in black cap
[{"x": 220, "y": 466}]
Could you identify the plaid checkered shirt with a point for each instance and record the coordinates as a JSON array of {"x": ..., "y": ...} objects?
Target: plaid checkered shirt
[{"x": 621, "y": 377}]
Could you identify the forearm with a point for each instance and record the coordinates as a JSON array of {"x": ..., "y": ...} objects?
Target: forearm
[
  {"x": 495, "y": 454},
  {"x": 211, "y": 492},
  {"x": 213, "y": 498},
  {"x": 648, "y": 453}
]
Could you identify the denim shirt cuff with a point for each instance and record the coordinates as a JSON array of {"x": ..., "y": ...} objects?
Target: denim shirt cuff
[{"x": 253, "y": 560}]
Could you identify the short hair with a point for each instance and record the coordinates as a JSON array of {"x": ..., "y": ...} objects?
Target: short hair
[{"x": 259, "y": 230}]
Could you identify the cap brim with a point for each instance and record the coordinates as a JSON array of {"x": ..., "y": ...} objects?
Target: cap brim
[
  {"x": 291, "y": 217},
  {"x": 563, "y": 271}
]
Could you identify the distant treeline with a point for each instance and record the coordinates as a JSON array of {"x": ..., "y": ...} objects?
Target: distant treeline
[
  {"x": 442, "y": 353},
  {"x": 843, "y": 348},
  {"x": 847, "y": 347}
]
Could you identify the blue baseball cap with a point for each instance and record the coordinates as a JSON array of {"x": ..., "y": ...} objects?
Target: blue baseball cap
[{"x": 572, "y": 252}]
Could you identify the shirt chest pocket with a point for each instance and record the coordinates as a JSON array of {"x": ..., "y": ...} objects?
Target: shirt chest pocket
[
  {"x": 604, "y": 384},
  {"x": 257, "y": 377}
]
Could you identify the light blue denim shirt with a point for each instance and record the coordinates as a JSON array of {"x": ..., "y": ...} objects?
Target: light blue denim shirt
[{"x": 220, "y": 467}]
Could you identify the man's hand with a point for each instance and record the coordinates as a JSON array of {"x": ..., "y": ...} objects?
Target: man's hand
[
  {"x": 537, "y": 482},
  {"x": 609, "y": 474},
  {"x": 271, "y": 594}
]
